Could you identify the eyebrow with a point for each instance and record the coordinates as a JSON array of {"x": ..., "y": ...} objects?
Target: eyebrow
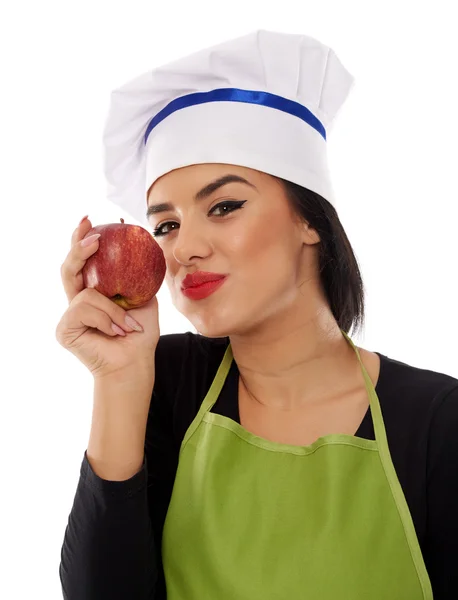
[{"x": 206, "y": 191}]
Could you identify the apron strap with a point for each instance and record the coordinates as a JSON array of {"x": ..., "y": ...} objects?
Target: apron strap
[{"x": 212, "y": 394}]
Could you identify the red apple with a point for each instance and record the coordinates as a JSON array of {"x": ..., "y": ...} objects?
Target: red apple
[{"x": 128, "y": 266}]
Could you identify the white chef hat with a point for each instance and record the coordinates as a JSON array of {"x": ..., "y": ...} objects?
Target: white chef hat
[{"x": 264, "y": 101}]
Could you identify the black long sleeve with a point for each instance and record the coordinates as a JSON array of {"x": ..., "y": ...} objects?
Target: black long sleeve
[
  {"x": 441, "y": 544},
  {"x": 108, "y": 550}
]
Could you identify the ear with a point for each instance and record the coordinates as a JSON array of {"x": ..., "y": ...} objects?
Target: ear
[{"x": 310, "y": 235}]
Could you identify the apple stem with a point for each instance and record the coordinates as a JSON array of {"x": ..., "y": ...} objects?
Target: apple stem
[{"x": 122, "y": 220}]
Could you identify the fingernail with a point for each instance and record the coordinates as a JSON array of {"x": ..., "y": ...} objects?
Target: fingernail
[
  {"x": 82, "y": 220},
  {"x": 90, "y": 240},
  {"x": 118, "y": 330},
  {"x": 133, "y": 323}
]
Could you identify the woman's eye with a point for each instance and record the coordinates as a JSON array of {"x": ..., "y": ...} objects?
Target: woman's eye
[{"x": 230, "y": 206}]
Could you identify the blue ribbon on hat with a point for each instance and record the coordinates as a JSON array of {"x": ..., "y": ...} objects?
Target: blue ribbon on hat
[{"x": 238, "y": 95}]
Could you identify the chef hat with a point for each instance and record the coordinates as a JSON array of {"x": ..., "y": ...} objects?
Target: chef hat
[{"x": 265, "y": 101}]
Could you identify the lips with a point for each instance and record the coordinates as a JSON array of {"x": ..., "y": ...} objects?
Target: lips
[
  {"x": 199, "y": 278},
  {"x": 204, "y": 290}
]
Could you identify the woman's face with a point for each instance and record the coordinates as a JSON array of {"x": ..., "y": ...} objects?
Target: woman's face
[{"x": 256, "y": 241}]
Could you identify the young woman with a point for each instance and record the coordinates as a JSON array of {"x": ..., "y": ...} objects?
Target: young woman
[{"x": 267, "y": 456}]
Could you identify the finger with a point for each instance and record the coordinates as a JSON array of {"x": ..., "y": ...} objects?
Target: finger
[
  {"x": 81, "y": 230},
  {"x": 147, "y": 314},
  {"x": 77, "y": 319},
  {"x": 71, "y": 269},
  {"x": 91, "y": 297}
]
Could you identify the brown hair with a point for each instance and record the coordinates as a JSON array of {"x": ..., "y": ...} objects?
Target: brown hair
[{"x": 340, "y": 274}]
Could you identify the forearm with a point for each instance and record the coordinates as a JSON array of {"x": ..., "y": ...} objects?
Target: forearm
[
  {"x": 117, "y": 438},
  {"x": 109, "y": 551}
]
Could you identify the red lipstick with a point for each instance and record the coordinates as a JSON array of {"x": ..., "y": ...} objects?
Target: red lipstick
[
  {"x": 199, "y": 277},
  {"x": 201, "y": 284}
]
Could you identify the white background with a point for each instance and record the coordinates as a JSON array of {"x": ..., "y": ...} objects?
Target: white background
[{"x": 394, "y": 163}]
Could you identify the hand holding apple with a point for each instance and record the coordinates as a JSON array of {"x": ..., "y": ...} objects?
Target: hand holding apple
[{"x": 128, "y": 267}]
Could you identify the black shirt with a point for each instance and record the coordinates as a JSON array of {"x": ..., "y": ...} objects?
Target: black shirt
[{"x": 112, "y": 544}]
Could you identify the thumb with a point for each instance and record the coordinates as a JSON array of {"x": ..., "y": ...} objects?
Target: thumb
[{"x": 147, "y": 315}]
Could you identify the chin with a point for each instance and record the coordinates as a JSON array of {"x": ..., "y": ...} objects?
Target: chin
[
  {"x": 224, "y": 320},
  {"x": 212, "y": 332},
  {"x": 217, "y": 326},
  {"x": 222, "y": 327}
]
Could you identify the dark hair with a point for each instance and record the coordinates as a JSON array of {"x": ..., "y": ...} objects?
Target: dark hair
[{"x": 340, "y": 274}]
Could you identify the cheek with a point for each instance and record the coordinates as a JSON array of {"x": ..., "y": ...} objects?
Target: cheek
[
  {"x": 267, "y": 250},
  {"x": 251, "y": 240}
]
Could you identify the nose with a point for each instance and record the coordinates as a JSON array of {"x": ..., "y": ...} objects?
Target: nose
[{"x": 191, "y": 242}]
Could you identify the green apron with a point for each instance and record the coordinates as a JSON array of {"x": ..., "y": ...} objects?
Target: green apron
[{"x": 251, "y": 519}]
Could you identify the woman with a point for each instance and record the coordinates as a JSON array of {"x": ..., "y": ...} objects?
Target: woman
[{"x": 280, "y": 460}]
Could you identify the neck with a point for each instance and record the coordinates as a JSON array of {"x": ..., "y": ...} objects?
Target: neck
[{"x": 300, "y": 359}]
